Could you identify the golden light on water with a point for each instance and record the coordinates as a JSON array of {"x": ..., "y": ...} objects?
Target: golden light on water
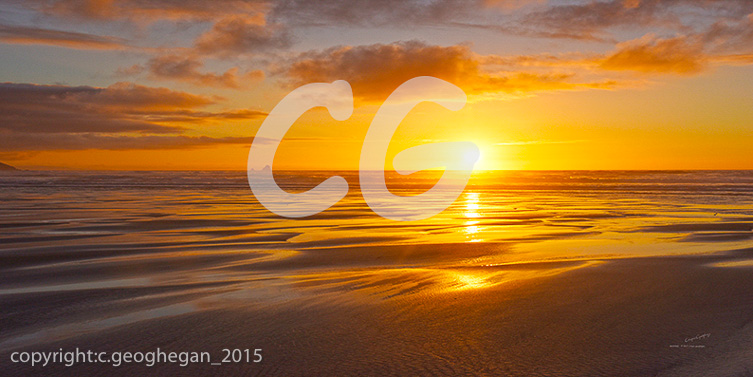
[
  {"x": 471, "y": 206},
  {"x": 471, "y": 211},
  {"x": 472, "y": 231},
  {"x": 471, "y": 227}
]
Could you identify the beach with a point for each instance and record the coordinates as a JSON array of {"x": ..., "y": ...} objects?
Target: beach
[{"x": 632, "y": 273}]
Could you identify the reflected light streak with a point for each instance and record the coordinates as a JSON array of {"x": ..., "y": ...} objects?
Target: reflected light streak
[
  {"x": 472, "y": 206},
  {"x": 466, "y": 281}
]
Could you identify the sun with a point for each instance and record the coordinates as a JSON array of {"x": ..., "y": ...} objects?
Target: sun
[
  {"x": 476, "y": 157},
  {"x": 472, "y": 157}
]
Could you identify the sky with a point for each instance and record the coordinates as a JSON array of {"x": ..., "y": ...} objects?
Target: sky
[{"x": 186, "y": 84}]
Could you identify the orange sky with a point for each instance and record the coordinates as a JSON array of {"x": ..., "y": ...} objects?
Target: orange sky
[{"x": 551, "y": 85}]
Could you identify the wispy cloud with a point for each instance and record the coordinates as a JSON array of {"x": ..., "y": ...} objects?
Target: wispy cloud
[
  {"x": 32, "y": 35},
  {"x": 84, "y": 141},
  {"x": 539, "y": 142},
  {"x": 148, "y": 11}
]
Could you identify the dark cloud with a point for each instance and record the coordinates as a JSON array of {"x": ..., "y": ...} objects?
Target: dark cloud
[
  {"x": 121, "y": 116},
  {"x": 360, "y": 12},
  {"x": 122, "y": 107},
  {"x": 730, "y": 35},
  {"x": 522, "y": 30},
  {"x": 32, "y": 35},
  {"x": 590, "y": 20},
  {"x": 595, "y": 19},
  {"x": 128, "y": 96},
  {"x": 374, "y": 12},
  {"x": 249, "y": 25},
  {"x": 60, "y": 109}
]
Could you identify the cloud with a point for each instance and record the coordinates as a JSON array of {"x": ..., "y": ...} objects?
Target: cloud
[
  {"x": 595, "y": 19},
  {"x": 543, "y": 60},
  {"x": 540, "y": 142},
  {"x": 585, "y": 20},
  {"x": 32, "y": 35},
  {"x": 726, "y": 41},
  {"x": 589, "y": 20},
  {"x": 192, "y": 116},
  {"x": 187, "y": 69},
  {"x": 152, "y": 10},
  {"x": 127, "y": 96},
  {"x": 82, "y": 141},
  {"x": 734, "y": 59},
  {"x": 60, "y": 109},
  {"x": 254, "y": 25},
  {"x": 511, "y": 4},
  {"x": 121, "y": 116},
  {"x": 680, "y": 55},
  {"x": 291, "y": 12},
  {"x": 376, "y": 70},
  {"x": 121, "y": 107},
  {"x": 241, "y": 35},
  {"x": 730, "y": 36},
  {"x": 373, "y": 12}
]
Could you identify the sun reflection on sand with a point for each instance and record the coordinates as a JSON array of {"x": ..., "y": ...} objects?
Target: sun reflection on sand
[
  {"x": 468, "y": 281},
  {"x": 464, "y": 279},
  {"x": 742, "y": 263},
  {"x": 403, "y": 281}
]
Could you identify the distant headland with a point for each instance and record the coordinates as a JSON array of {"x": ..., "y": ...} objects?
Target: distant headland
[{"x": 6, "y": 167}]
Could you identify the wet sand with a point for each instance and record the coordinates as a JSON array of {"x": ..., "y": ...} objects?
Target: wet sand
[
  {"x": 618, "y": 317},
  {"x": 648, "y": 274}
]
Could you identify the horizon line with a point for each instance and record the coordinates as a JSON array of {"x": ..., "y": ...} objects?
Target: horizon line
[{"x": 19, "y": 169}]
